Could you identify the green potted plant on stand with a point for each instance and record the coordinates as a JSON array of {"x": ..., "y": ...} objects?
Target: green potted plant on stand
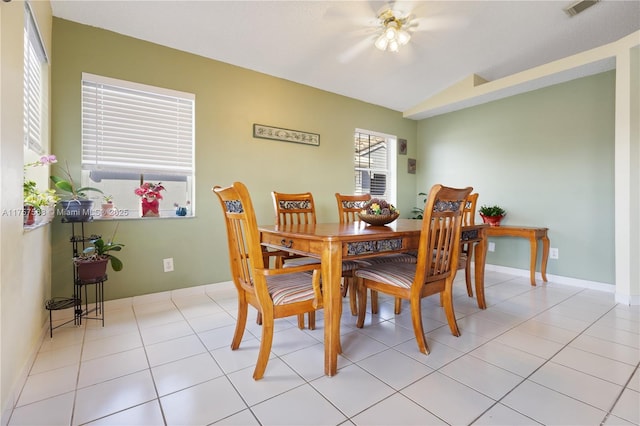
[
  {"x": 77, "y": 207},
  {"x": 91, "y": 265},
  {"x": 492, "y": 214}
]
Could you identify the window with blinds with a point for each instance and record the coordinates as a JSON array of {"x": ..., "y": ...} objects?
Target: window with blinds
[
  {"x": 134, "y": 133},
  {"x": 35, "y": 59},
  {"x": 371, "y": 166}
]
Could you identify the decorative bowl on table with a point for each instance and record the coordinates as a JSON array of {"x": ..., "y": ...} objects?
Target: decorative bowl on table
[
  {"x": 378, "y": 219},
  {"x": 378, "y": 212}
]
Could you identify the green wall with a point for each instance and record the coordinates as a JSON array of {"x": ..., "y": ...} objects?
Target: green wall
[
  {"x": 547, "y": 157},
  {"x": 229, "y": 100}
]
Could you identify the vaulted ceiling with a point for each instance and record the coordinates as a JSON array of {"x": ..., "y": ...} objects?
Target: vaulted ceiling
[{"x": 329, "y": 44}]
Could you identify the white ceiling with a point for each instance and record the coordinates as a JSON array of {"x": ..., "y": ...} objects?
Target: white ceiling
[{"x": 329, "y": 44}]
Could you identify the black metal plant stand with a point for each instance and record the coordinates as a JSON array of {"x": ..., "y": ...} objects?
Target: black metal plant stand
[{"x": 93, "y": 311}]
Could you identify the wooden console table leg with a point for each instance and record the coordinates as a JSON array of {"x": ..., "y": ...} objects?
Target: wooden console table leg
[
  {"x": 533, "y": 242},
  {"x": 545, "y": 256}
]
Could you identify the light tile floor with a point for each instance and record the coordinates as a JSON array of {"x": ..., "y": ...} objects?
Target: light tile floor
[{"x": 551, "y": 354}]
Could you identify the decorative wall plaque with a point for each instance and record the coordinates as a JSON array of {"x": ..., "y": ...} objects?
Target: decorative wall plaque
[{"x": 286, "y": 135}]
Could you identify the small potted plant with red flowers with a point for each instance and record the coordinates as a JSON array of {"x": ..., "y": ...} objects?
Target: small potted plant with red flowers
[{"x": 150, "y": 198}]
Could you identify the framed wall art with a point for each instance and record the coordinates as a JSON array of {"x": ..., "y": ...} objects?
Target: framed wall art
[
  {"x": 411, "y": 166},
  {"x": 286, "y": 135},
  {"x": 402, "y": 146}
]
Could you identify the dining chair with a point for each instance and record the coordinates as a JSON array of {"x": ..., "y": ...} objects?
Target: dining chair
[
  {"x": 275, "y": 293},
  {"x": 299, "y": 208},
  {"x": 436, "y": 267},
  {"x": 466, "y": 250},
  {"x": 348, "y": 208}
]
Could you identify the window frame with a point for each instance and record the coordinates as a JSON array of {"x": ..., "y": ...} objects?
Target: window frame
[
  {"x": 35, "y": 88},
  {"x": 391, "y": 167}
]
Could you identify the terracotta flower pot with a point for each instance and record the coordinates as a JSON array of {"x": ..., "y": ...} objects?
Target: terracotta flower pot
[
  {"x": 491, "y": 220},
  {"x": 91, "y": 270}
]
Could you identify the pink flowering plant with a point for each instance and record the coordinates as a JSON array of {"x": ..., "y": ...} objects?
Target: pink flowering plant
[
  {"x": 150, "y": 191},
  {"x": 379, "y": 206}
]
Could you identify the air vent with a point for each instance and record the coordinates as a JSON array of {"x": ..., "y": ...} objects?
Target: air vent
[{"x": 579, "y": 6}]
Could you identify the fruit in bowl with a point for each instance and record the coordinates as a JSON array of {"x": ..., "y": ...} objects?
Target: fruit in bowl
[{"x": 378, "y": 212}]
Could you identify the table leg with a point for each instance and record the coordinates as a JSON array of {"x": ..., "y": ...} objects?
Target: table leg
[
  {"x": 479, "y": 261},
  {"x": 331, "y": 259},
  {"x": 533, "y": 242},
  {"x": 545, "y": 256}
]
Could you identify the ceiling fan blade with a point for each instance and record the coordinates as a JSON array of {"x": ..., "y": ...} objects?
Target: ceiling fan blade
[
  {"x": 356, "y": 50},
  {"x": 437, "y": 23}
]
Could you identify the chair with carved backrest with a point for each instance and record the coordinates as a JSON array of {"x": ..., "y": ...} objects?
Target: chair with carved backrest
[
  {"x": 300, "y": 209},
  {"x": 275, "y": 293},
  {"x": 348, "y": 208},
  {"x": 466, "y": 250},
  {"x": 436, "y": 267}
]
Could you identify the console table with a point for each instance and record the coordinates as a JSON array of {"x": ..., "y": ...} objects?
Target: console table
[{"x": 533, "y": 234}]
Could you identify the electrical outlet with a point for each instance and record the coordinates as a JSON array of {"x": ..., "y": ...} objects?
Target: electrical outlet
[
  {"x": 492, "y": 246},
  {"x": 168, "y": 264},
  {"x": 553, "y": 253}
]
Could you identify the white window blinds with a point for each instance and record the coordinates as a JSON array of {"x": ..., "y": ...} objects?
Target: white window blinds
[
  {"x": 129, "y": 127},
  {"x": 34, "y": 60}
]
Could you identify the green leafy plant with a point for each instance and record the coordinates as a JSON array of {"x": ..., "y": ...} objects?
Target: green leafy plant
[
  {"x": 66, "y": 184},
  {"x": 103, "y": 249},
  {"x": 418, "y": 213},
  {"x": 34, "y": 197},
  {"x": 492, "y": 211}
]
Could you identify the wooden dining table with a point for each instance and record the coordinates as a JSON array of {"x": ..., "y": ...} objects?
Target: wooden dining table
[{"x": 334, "y": 242}]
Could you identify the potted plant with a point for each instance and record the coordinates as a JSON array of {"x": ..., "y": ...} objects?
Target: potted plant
[
  {"x": 492, "y": 214},
  {"x": 77, "y": 207},
  {"x": 181, "y": 210},
  {"x": 150, "y": 197},
  {"x": 418, "y": 213},
  {"x": 108, "y": 210},
  {"x": 38, "y": 205},
  {"x": 91, "y": 265}
]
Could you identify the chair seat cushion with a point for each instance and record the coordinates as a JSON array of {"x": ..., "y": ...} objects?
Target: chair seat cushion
[
  {"x": 396, "y": 274},
  {"x": 347, "y": 265},
  {"x": 290, "y": 288},
  {"x": 387, "y": 258},
  {"x": 300, "y": 261}
]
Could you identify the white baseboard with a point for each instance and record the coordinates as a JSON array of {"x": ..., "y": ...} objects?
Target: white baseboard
[
  {"x": 623, "y": 299},
  {"x": 558, "y": 279}
]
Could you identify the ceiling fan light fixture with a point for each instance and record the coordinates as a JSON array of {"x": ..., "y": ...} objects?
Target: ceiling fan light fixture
[
  {"x": 382, "y": 42},
  {"x": 393, "y": 35},
  {"x": 403, "y": 37}
]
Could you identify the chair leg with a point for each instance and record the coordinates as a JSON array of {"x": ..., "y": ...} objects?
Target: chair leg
[
  {"x": 362, "y": 302},
  {"x": 398, "y": 306},
  {"x": 259, "y": 318},
  {"x": 301, "y": 321},
  {"x": 241, "y": 322},
  {"x": 265, "y": 347},
  {"x": 374, "y": 302},
  {"x": 353, "y": 298},
  {"x": 416, "y": 320},
  {"x": 467, "y": 270},
  {"x": 447, "y": 300},
  {"x": 312, "y": 320}
]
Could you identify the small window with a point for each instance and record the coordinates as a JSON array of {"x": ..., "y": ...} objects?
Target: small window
[
  {"x": 373, "y": 171},
  {"x": 134, "y": 133},
  {"x": 35, "y": 60}
]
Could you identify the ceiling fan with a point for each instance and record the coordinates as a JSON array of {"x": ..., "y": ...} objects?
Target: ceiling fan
[{"x": 396, "y": 26}]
